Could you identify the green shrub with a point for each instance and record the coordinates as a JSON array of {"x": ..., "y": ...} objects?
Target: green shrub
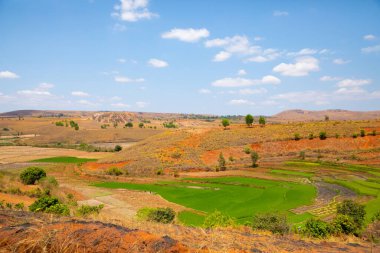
[
  {"x": 49, "y": 205},
  {"x": 262, "y": 121},
  {"x": 59, "y": 123},
  {"x": 86, "y": 210},
  {"x": 221, "y": 162},
  {"x": 141, "y": 125},
  {"x": 254, "y": 158},
  {"x": 297, "y": 136},
  {"x": 247, "y": 150},
  {"x": 316, "y": 228},
  {"x": 19, "y": 206},
  {"x": 169, "y": 125},
  {"x": 344, "y": 224},
  {"x": 355, "y": 210},
  {"x": 362, "y": 133},
  {"x": 217, "y": 219},
  {"x": 31, "y": 175},
  {"x": 161, "y": 215},
  {"x": 59, "y": 209},
  {"x": 355, "y": 135},
  {"x": 225, "y": 123},
  {"x": 118, "y": 148},
  {"x": 311, "y": 136},
  {"x": 275, "y": 223},
  {"x": 143, "y": 213},
  {"x": 129, "y": 125},
  {"x": 322, "y": 136},
  {"x": 114, "y": 171},
  {"x": 249, "y": 120}
]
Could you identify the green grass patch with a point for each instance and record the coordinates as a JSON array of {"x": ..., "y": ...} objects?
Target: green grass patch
[
  {"x": 191, "y": 219},
  {"x": 301, "y": 164},
  {"x": 64, "y": 159},
  {"x": 358, "y": 186},
  {"x": 292, "y": 173},
  {"x": 238, "y": 197}
]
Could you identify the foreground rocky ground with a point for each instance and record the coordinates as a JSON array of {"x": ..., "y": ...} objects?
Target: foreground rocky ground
[{"x": 28, "y": 232}]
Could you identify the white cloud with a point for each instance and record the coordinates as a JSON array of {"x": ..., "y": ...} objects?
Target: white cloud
[
  {"x": 123, "y": 79},
  {"x": 280, "y": 13},
  {"x": 329, "y": 78},
  {"x": 186, "y": 35},
  {"x": 369, "y": 37},
  {"x": 80, "y": 94},
  {"x": 252, "y": 91},
  {"x": 133, "y": 10},
  {"x": 240, "y": 102},
  {"x": 8, "y": 75},
  {"x": 204, "y": 91},
  {"x": 242, "y": 72},
  {"x": 259, "y": 58},
  {"x": 157, "y": 63},
  {"x": 121, "y": 60},
  {"x": 34, "y": 92},
  {"x": 270, "y": 80},
  {"x": 340, "y": 61},
  {"x": 221, "y": 56},
  {"x": 258, "y": 38},
  {"x": 266, "y": 55},
  {"x": 350, "y": 91},
  {"x": 301, "y": 67},
  {"x": 120, "y": 105},
  {"x": 244, "y": 82},
  {"x": 304, "y": 51},
  {"x": 141, "y": 104},
  {"x": 45, "y": 86},
  {"x": 353, "y": 82},
  {"x": 372, "y": 49}
]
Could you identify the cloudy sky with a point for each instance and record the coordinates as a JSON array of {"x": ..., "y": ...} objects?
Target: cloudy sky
[{"x": 198, "y": 56}]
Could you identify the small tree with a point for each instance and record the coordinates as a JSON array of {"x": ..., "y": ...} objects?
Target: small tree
[
  {"x": 31, "y": 175},
  {"x": 262, "y": 121},
  {"x": 225, "y": 123},
  {"x": 362, "y": 133},
  {"x": 222, "y": 162},
  {"x": 327, "y": 118},
  {"x": 141, "y": 125},
  {"x": 322, "y": 136},
  {"x": 129, "y": 125},
  {"x": 118, "y": 148},
  {"x": 354, "y": 210},
  {"x": 249, "y": 120},
  {"x": 297, "y": 136},
  {"x": 255, "y": 158}
]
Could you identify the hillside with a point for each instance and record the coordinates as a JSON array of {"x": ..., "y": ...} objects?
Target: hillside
[{"x": 305, "y": 115}]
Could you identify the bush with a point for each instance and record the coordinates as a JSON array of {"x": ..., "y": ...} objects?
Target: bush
[
  {"x": 311, "y": 136},
  {"x": 86, "y": 210},
  {"x": 275, "y": 223},
  {"x": 247, "y": 150},
  {"x": 376, "y": 217},
  {"x": 355, "y": 210},
  {"x": 160, "y": 172},
  {"x": 19, "y": 206},
  {"x": 49, "y": 205},
  {"x": 262, "y": 121},
  {"x": 322, "y": 136},
  {"x": 254, "y": 158},
  {"x": 168, "y": 125},
  {"x": 161, "y": 215},
  {"x": 31, "y": 175},
  {"x": 129, "y": 125},
  {"x": 373, "y": 133},
  {"x": 118, "y": 148},
  {"x": 217, "y": 219},
  {"x": 141, "y": 125},
  {"x": 316, "y": 228},
  {"x": 362, "y": 133},
  {"x": 344, "y": 224},
  {"x": 355, "y": 135},
  {"x": 225, "y": 123},
  {"x": 114, "y": 171},
  {"x": 222, "y": 162},
  {"x": 249, "y": 120},
  {"x": 297, "y": 136},
  {"x": 59, "y": 123},
  {"x": 59, "y": 209}
]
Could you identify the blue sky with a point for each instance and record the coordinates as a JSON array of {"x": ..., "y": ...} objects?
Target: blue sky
[{"x": 199, "y": 56}]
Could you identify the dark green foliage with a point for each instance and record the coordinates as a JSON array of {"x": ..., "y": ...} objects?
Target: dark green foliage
[
  {"x": 19, "y": 206},
  {"x": 355, "y": 210},
  {"x": 322, "y": 136},
  {"x": 275, "y": 223},
  {"x": 169, "y": 125},
  {"x": 114, "y": 171},
  {"x": 317, "y": 228},
  {"x": 362, "y": 133},
  {"x": 297, "y": 136},
  {"x": 221, "y": 162},
  {"x": 86, "y": 210},
  {"x": 355, "y": 135},
  {"x": 74, "y": 125},
  {"x": 225, "y": 122},
  {"x": 247, "y": 150},
  {"x": 141, "y": 125},
  {"x": 311, "y": 136},
  {"x": 344, "y": 224},
  {"x": 59, "y": 209},
  {"x": 262, "y": 121},
  {"x": 49, "y": 205},
  {"x": 254, "y": 158},
  {"x": 160, "y": 172},
  {"x": 162, "y": 215},
  {"x": 129, "y": 125},
  {"x": 118, "y": 148},
  {"x": 31, "y": 175},
  {"x": 218, "y": 219},
  {"x": 59, "y": 123},
  {"x": 249, "y": 120}
]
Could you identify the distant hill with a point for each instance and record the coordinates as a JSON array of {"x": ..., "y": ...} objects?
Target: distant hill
[{"x": 304, "y": 115}]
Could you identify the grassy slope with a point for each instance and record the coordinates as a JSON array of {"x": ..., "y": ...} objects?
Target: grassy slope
[{"x": 235, "y": 196}]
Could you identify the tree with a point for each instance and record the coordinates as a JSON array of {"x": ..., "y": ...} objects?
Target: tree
[
  {"x": 362, "y": 133},
  {"x": 262, "y": 121},
  {"x": 225, "y": 123},
  {"x": 255, "y": 158},
  {"x": 31, "y": 175},
  {"x": 141, "y": 125},
  {"x": 354, "y": 210},
  {"x": 129, "y": 125},
  {"x": 222, "y": 162},
  {"x": 249, "y": 120},
  {"x": 327, "y": 118},
  {"x": 322, "y": 135},
  {"x": 118, "y": 148}
]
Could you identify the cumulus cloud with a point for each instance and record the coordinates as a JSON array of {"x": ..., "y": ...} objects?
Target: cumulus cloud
[
  {"x": 340, "y": 61},
  {"x": 221, "y": 56},
  {"x": 133, "y": 10},
  {"x": 80, "y": 94},
  {"x": 204, "y": 91},
  {"x": 280, "y": 13},
  {"x": 8, "y": 75},
  {"x": 244, "y": 82},
  {"x": 123, "y": 79},
  {"x": 353, "y": 82},
  {"x": 186, "y": 35},
  {"x": 302, "y": 67},
  {"x": 329, "y": 78},
  {"x": 240, "y": 102},
  {"x": 372, "y": 49},
  {"x": 369, "y": 37},
  {"x": 156, "y": 63}
]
